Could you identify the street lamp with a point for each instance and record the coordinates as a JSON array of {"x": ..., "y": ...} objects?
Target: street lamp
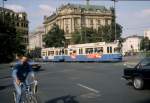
[{"x": 3, "y": 10}]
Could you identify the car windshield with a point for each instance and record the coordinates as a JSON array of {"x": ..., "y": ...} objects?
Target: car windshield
[{"x": 145, "y": 63}]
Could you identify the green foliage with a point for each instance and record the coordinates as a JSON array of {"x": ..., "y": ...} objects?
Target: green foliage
[
  {"x": 76, "y": 37},
  {"x": 145, "y": 44},
  {"x": 10, "y": 40},
  {"x": 104, "y": 33},
  {"x": 86, "y": 35},
  {"x": 55, "y": 37}
]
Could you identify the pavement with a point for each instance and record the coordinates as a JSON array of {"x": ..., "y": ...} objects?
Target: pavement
[{"x": 79, "y": 83}]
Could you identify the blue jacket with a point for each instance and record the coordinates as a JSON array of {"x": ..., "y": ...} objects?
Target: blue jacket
[{"x": 21, "y": 71}]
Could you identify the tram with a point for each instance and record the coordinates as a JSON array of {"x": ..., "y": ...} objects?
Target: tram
[{"x": 88, "y": 52}]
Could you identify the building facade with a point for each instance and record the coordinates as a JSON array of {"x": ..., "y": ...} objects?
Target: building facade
[
  {"x": 131, "y": 44},
  {"x": 36, "y": 38},
  {"x": 72, "y": 17},
  {"x": 147, "y": 33},
  {"x": 20, "y": 22}
]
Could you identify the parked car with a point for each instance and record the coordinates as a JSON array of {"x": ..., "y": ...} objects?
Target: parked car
[
  {"x": 35, "y": 65},
  {"x": 140, "y": 74}
]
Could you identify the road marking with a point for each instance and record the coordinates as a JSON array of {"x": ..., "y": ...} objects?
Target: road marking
[
  {"x": 90, "y": 89},
  {"x": 90, "y": 95}
]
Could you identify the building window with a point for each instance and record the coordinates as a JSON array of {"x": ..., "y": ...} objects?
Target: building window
[
  {"x": 17, "y": 24},
  {"x": 24, "y": 17},
  {"x": 76, "y": 24},
  {"x": 67, "y": 29},
  {"x": 99, "y": 22},
  {"x": 17, "y": 17},
  {"x": 22, "y": 24},
  {"x": 91, "y": 22}
]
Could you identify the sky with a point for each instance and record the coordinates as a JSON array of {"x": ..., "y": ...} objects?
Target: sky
[{"x": 134, "y": 16}]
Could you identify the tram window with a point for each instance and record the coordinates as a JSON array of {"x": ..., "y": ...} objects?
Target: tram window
[
  {"x": 95, "y": 50},
  {"x": 107, "y": 49},
  {"x": 116, "y": 50},
  {"x": 110, "y": 49},
  {"x": 66, "y": 52},
  {"x": 56, "y": 52},
  {"x": 80, "y": 51},
  {"x": 60, "y": 52},
  {"x": 89, "y": 50},
  {"x": 100, "y": 50},
  {"x": 51, "y": 53}
]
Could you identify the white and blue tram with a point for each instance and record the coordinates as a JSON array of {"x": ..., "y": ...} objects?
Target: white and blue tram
[{"x": 89, "y": 52}]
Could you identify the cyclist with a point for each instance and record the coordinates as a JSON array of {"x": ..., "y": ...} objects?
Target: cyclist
[{"x": 21, "y": 71}]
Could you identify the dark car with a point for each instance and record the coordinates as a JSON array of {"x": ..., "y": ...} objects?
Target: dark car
[
  {"x": 140, "y": 74},
  {"x": 35, "y": 65}
]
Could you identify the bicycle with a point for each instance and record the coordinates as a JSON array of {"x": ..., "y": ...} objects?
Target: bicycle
[{"x": 27, "y": 94}]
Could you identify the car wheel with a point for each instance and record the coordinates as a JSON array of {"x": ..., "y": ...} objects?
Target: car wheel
[{"x": 138, "y": 83}]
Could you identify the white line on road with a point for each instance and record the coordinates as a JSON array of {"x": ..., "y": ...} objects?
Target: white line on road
[{"x": 91, "y": 89}]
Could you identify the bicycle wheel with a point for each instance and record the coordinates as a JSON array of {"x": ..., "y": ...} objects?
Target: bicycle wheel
[
  {"x": 24, "y": 98},
  {"x": 14, "y": 96},
  {"x": 35, "y": 89},
  {"x": 32, "y": 99}
]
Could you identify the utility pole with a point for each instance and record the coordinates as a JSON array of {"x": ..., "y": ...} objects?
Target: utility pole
[
  {"x": 87, "y": 8},
  {"x": 81, "y": 26},
  {"x": 115, "y": 18}
]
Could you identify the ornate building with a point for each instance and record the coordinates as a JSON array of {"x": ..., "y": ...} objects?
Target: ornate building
[
  {"x": 36, "y": 38},
  {"x": 20, "y": 21},
  {"x": 72, "y": 17}
]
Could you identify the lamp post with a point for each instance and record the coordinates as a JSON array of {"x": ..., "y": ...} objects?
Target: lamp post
[{"x": 3, "y": 12}]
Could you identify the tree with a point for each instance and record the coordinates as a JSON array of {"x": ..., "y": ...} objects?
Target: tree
[
  {"x": 145, "y": 44},
  {"x": 77, "y": 38},
  {"x": 55, "y": 37},
  {"x": 7, "y": 38},
  {"x": 118, "y": 27},
  {"x": 10, "y": 39},
  {"x": 107, "y": 32},
  {"x": 85, "y": 35}
]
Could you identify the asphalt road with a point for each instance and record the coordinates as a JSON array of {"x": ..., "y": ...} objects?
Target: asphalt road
[{"x": 78, "y": 83}]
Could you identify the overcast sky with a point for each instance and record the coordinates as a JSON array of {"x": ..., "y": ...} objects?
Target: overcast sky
[{"x": 134, "y": 16}]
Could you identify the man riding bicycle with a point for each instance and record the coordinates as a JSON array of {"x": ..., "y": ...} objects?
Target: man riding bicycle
[{"x": 20, "y": 73}]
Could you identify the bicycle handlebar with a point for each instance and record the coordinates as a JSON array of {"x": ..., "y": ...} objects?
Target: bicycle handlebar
[{"x": 34, "y": 82}]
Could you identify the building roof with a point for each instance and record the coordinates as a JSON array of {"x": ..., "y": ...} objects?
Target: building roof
[
  {"x": 134, "y": 36},
  {"x": 89, "y": 7},
  {"x": 78, "y": 6},
  {"x": 6, "y": 9}
]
